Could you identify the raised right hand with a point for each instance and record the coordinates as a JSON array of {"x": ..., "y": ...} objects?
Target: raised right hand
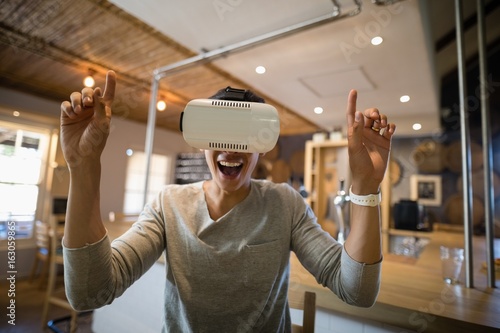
[{"x": 85, "y": 123}]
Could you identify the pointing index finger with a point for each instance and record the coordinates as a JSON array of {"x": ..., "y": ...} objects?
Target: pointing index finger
[{"x": 351, "y": 107}]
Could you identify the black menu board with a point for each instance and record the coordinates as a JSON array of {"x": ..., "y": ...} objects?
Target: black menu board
[{"x": 190, "y": 168}]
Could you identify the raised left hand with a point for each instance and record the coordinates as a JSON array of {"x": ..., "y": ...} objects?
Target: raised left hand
[{"x": 369, "y": 143}]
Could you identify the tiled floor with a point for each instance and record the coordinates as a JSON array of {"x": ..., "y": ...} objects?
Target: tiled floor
[{"x": 29, "y": 300}]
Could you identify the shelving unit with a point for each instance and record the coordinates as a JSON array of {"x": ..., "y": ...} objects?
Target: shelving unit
[{"x": 325, "y": 164}]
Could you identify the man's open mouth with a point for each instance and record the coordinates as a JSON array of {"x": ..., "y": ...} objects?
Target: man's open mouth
[{"x": 230, "y": 168}]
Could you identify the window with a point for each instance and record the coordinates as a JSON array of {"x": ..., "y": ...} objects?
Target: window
[
  {"x": 136, "y": 175},
  {"x": 22, "y": 153}
]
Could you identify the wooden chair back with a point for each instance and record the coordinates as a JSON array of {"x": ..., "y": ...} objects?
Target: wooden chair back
[
  {"x": 56, "y": 294},
  {"x": 307, "y": 303},
  {"x": 42, "y": 237},
  {"x": 42, "y": 254}
]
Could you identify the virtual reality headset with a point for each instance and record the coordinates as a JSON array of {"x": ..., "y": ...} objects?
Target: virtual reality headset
[{"x": 230, "y": 125}]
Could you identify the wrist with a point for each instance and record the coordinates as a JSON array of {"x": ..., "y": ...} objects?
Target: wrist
[
  {"x": 85, "y": 174},
  {"x": 85, "y": 166},
  {"x": 365, "y": 188}
]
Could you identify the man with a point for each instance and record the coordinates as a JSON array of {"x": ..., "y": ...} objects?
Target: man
[{"x": 226, "y": 241}]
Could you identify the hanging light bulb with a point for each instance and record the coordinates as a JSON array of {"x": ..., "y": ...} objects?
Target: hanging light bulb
[
  {"x": 89, "y": 81},
  {"x": 161, "y": 105}
]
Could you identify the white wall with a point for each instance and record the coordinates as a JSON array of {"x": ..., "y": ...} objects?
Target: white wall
[
  {"x": 16, "y": 100},
  {"x": 139, "y": 309},
  {"x": 127, "y": 134}
]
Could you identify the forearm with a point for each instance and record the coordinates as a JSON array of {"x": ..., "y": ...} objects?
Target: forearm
[
  {"x": 98, "y": 273},
  {"x": 83, "y": 217},
  {"x": 355, "y": 282},
  {"x": 364, "y": 241}
]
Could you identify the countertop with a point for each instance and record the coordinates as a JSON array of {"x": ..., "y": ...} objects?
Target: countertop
[{"x": 413, "y": 295}]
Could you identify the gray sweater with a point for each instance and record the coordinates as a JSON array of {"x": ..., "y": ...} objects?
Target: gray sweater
[{"x": 229, "y": 275}]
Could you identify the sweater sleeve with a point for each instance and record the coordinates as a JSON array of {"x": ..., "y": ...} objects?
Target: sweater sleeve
[
  {"x": 85, "y": 289},
  {"x": 353, "y": 282},
  {"x": 96, "y": 274}
]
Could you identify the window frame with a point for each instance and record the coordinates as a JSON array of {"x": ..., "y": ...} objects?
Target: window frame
[
  {"x": 152, "y": 190},
  {"x": 48, "y": 127}
]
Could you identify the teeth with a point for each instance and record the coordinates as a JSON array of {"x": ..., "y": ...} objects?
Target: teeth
[{"x": 230, "y": 164}]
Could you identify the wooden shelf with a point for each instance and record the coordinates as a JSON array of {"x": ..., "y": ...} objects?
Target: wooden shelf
[
  {"x": 414, "y": 233},
  {"x": 325, "y": 164}
]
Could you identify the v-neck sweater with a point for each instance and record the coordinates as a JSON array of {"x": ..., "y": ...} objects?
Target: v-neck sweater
[{"x": 229, "y": 275}]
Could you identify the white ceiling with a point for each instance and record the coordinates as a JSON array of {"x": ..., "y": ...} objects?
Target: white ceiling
[{"x": 319, "y": 66}]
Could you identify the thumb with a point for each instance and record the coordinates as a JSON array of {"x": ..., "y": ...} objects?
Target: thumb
[
  {"x": 356, "y": 130},
  {"x": 109, "y": 89},
  {"x": 99, "y": 106}
]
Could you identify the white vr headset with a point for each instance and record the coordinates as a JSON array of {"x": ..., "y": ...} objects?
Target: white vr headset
[{"x": 236, "y": 126}]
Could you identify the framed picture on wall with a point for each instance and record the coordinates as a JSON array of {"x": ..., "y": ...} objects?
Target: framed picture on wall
[{"x": 426, "y": 189}]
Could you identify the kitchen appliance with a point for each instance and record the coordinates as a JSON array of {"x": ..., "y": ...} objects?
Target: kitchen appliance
[{"x": 409, "y": 215}]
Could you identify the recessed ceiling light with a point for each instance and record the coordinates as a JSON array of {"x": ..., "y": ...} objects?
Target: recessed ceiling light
[
  {"x": 377, "y": 40},
  {"x": 404, "y": 98},
  {"x": 129, "y": 152},
  {"x": 318, "y": 110},
  {"x": 16, "y": 113},
  {"x": 417, "y": 126},
  {"x": 260, "y": 69}
]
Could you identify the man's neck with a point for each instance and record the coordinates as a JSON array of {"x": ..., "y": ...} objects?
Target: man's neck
[{"x": 220, "y": 202}]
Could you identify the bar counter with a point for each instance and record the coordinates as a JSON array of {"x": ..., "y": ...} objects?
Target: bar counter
[{"x": 413, "y": 295}]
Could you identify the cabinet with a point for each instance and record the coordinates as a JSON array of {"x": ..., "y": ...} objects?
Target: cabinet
[{"x": 326, "y": 163}]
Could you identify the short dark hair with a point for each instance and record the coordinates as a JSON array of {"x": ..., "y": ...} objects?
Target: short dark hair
[{"x": 229, "y": 93}]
